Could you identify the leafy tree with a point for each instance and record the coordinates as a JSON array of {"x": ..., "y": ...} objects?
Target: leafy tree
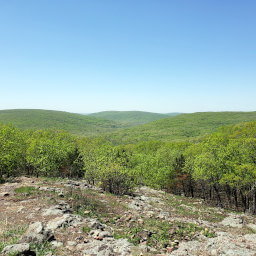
[
  {"x": 51, "y": 153},
  {"x": 12, "y": 151}
]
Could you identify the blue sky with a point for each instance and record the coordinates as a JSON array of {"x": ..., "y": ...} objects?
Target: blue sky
[{"x": 150, "y": 55}]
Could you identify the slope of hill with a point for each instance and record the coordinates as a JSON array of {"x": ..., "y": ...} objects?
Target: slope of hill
[
  {"x": 180, "y": 225},
  {"x": 180, "y": 127},
  {"x": 40, "y": 119},
  {"x": 130, "y": 118}
]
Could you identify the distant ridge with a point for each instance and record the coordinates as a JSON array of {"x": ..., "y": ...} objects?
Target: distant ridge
[
  {"x": 41, "y": 119},
  {"x": 131, "y": 118},
  {"x": 173, "y": 114},
  {"x": 180, "y": 127},
  {"x": 126, "y": 126}
]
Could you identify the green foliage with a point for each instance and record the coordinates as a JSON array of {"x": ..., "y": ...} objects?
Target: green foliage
[
  {"x": 161, "y": 233},
  {"x": 42, "y": 249},
  {"x": 225, "y": 158},
  {"x": 228, "y": 157},
  {"x": 12, "y": 151},
  {"x": 181, "y": 127},
  {"x": 37, "y": 119},
  {"x": 86, "y": 229},
  {"x": 51, "y": 153},
  {"x": 130, "y": 118},
  {"x": 85, "y": 204},
  {"x": 10, "y": 236},
  {"x": 107, "y": 166},
  {"x": 24, "y": 190},
  {"x": 113, "y": 124}
]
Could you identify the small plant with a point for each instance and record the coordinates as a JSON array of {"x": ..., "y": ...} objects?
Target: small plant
[
  {"x": 85, "y": 205},
  {"x": 42, "y": 249},
  {"x": 208, "y": 233},
  {"x": 25, "y": 190},
  {"x": 112, "y": 221},
  {"x": 11, "y": 236},
  {"x": 86, "y": 229},
  {"x": 159, "y": 234}
]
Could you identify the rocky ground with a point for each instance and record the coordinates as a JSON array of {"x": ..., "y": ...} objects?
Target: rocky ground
[{"x": 66, "y": 217}]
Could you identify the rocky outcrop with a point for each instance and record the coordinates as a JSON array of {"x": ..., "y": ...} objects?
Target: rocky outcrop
[
  {"x": 60, "y": 208},
  {"x": 89, "y": 236},
  {"x": 20, "y": 249},
  {"x": 107, "y": 247},
  {"x": 36, "y": 233},
  {"x": 65, "y": 220},
  {"x": 233, "y": 221}
]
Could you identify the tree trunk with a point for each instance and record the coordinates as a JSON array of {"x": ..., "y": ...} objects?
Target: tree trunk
[
  {"x": 183, "y": 188},
  {"x": 228, "y": 193},
  {"x": 253, "y": 209},
  {"x": 210, "y": 192},
  {"x": 191, "y": 188},
  {"x": 203, "y": 189},
  {"x": 235, "y": 198},
  {"x": 218, "y": 196},
  {"x": 243, "y": 200}
]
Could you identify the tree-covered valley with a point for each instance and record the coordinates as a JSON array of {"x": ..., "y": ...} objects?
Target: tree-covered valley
[
  {"x": 199, "y": 161},
  {"x": 218, "y": 167}
]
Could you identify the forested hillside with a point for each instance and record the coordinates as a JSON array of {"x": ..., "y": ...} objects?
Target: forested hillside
[
  {"x": 43, "y": 119},
  {"x": 220, "y": 168},
  {"x": 114, "y": 126},
  {"x": 183, "y": 126},
  {"x": 131, "y": 118}
]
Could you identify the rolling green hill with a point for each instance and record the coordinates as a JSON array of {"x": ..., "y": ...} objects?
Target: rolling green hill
[
  {"x": 180, "y": 127},
  {"x": 173, "y": 114},
  {"x": 40, "y": 119},
  {"x": 130, "y": 118}
]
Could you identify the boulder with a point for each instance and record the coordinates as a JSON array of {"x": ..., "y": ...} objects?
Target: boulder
[
  {"x": 56, "y": 244},
  {"x": 65, "y": 220},
  {"x": 60, "y": 208},
  {"x": 95, "y": 224},
  {"x": 20, "y": 249},
  {"x": 233, "y": 221},
  {"x": 36, "y": 233}
]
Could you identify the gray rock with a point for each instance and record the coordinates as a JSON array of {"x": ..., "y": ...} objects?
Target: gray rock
[
  {"x": 95, "y": 224},
  {"x": 4, "y": 194},
  {"x": 104, "y": 234},
  {"x": 164, "y": 215},
  {"x": 65, "y": 220},
  {"x": 252, "y": 226},
  {"x": 135, "y": 205},
  {"x": 18, "y": 248},
  {"x": 109, "y": 248},
  {"x": 56, "y": 244},
  {"x": 36, "y": 233},
  {"x": 81, "y": 247},
  {"x": 60, "y": 208},
  {"x": 46, "y": 189},
  {"x": 187, "y": 249},
  {"x": 60, "y": 194},
  {"x": 36, "y": 227},
  {"x": 233, "y": 221},
  {"x": 123, "y": 247},
  {"x": 94, "y": 233},
  {"x": 144, "y": 198},
  {"x": 71, "y": 243}
]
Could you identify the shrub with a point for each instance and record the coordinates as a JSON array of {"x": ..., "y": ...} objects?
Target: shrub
[
  {"x": 116, "y": 179},
  {"x": 12, "y": 151}
]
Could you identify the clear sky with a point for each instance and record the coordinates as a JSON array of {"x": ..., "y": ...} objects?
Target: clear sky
[{"x": 151, "y": 55}]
